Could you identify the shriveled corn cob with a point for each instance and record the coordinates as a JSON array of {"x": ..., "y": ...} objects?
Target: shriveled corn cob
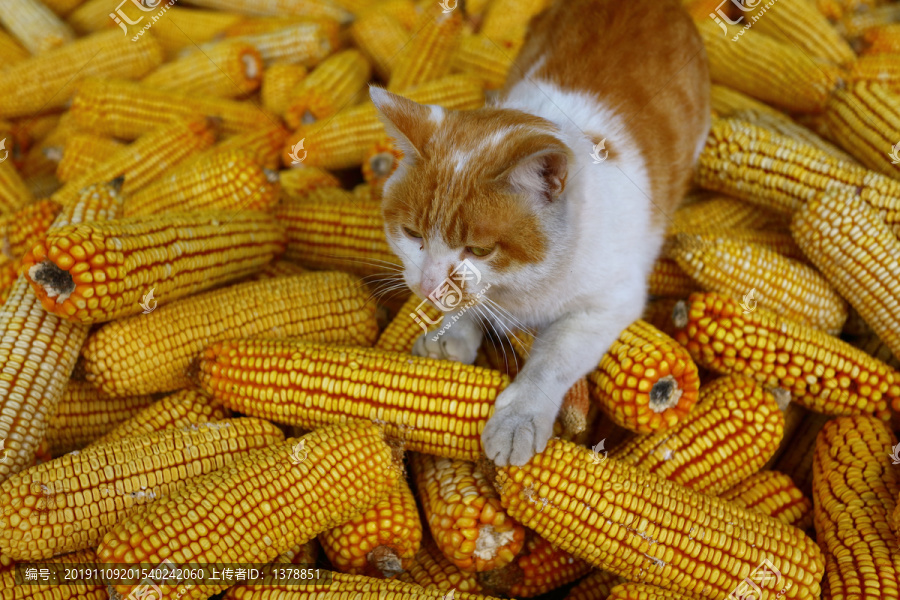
[
  {"x": 786, "y": 126},
  {"x": 14, "y": 194},
  {"x": 540, "y": 568},
  {"x": 344, "y": 140},
  {"x": 855, "y": 490},
  {"x": 289, "y": 486},
  {"x": 668, "y": 280},
  {"x": 379, "y": 542},
  {"x": 332, "y": 86},
  {"x": 127, "y": 110},
  {"x": 328, "y": 230},
  {"x": 775, "y": 72},
  {"x": 181, "y": 28},
  {"x": 50, "y": 494},
  {"x": 305, "y": 8},
  {"x": 596, "y": 586},
  {"x": 307, "y": 43},
  {"x": 325, "y": 307},
  {"x": 436, "y": 406},
  {"x": 81, "y": 590},
  {"x": 822, "y": 373},
  {"x": 428, "y": 54},
  {"x": 84, "y": 152},
  {"x": 227, "y": 70},
  {"x": 642, "y": 591},
  {"x": 799, "y": 23},
  {"x": 84, "y": 414},
  {"x": 263, "y": 144},
  {"x": 646, "y": 382},
  {"x": 431, "y": 569},
  {"x": 278, "y": 81},
  {"x": 36, "y": 27},
  {"x": 297, "y": 183},
  {"x": 726, "y": 101},
  {"x": 11, "y": 50},
  {"x": 463, "y": 512},
  {"x": 100, "y": 271},
  {"x": 651, "y": 529},
  {"x": 481, "y": 57},
  {"x": 48, "y": 81},
  {"x": 884, "y": 39},
  {"x": 217, "y": 181},
  {"x": 778, "y": 283},
  {"x": 404, "y": 328},
  {"x": 381, "y": 38},
  {"x": 774, "y": 494},
  {"x": 381, "y": 160},
  {"x": 184, "y": 408},
  {"x": 721, "y": 212},
  {"x": 731, "y": 433}
]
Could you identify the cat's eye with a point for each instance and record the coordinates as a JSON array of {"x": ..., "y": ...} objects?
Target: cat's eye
[
  {"x": 412, "y": 233},
  {"x": 479, "y": 251}
]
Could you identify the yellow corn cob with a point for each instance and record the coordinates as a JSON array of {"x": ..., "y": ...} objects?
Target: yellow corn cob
[
  {"x": 775, "y": 72},
  {"x": 651, "y": 529},
  {"x": 458, "y": 398},
  {"x": 9, "y": 274},
  {"x": 34, "y": 380},
  {"x": 180, "y": 28},
  {"x": 84, "y": 152},
  {"x": 84, "y": 414},
  {"x": 779, "y": 242},
  {"x": 406, "y": 12},
  {"x": 304, "y": 8},
  {"x": 642, "y": 591},
  {"x": 11, "y": 51},
  {"x": 404, "y": 328},
  {"x": 343, "y": 141},
  {"x": 540, "y": 568},
  {"x": 780, "y": 284},
  {"x": 297, "y": 183},
  {"x": 300, "y": 554},
  {"x": 379, "y": 542},
  {"x": 799, "y": 23},
  {"x": 822, "y": 373},
  {"x": 380, "y": 37},
  {"x": 36, "y": 162},
  {"x": 428, "y": 55},
  {"x": 884, "y": 39},
  {"x": 463, "y": 512},
  {"x": 431, "y": 569},
  {"x": 328, "y": 230},
  {"x": 217, "y": 181},
  {"x": 855, "y": 491},
  {"x": 734, "y": 429},
  {"x": 35, "y": 26},
  {"x": 333, "y": 85},
  {"x": 307, "y": 43},
  {"x": 257, "y": 25},
  {"x": 278, "y": 81},
  {"x": 774, "y": 494},
  {"x": 721, "y": 212},
  {"x": 727, "y": 101},
  {"x": 380, "y": 162},
  {"x": 290, "y": 482},
  {"x": 784, "y": 125},
  {"x": 14, "y": 194},
  {"x": 326, "y": 307},
  {"x": 264, "y": 145},
  {"x": 100, "y": 271},
  {"x": 146, "y": 159},
  {"x": 596, "y": 586},
  {"x": 127, "y": 110},
  {"x": 857, "y": 21},
  {"x": 482, "y": 58},
  {"x": 876, "y": 68},
  {"x": 668, "y": 280},
  {"x": 227, "y": 70},
  {"x": 92, "y": 16},
  {"x": 279, "y": 268},
  {"x": 91, "y": 589},
  {"x": 645, "y": 382},
  {"x": 506, "y": 21},
  {"x": 49, "y": 80}
]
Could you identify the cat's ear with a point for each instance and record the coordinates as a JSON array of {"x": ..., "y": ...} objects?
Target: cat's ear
[
  {"x": 411, "y": 124},
  {"x": 540, "y": 174}
]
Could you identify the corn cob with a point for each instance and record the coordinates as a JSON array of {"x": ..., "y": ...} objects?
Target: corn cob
[
  {"x": 334, "y": 84},
  {"x": 821, "y": 372},
  {"x": 772, "y": 71},
  {"x": 35, "y": 26},
  {"x": 84, "y": 590},
  {"x": 9, "y": 274},
  {"x": 82, "y": 153},
  {"x": 645, "y": 382},
  {"x": 34, "y": 380},
  {"x": 36, "y": 161},
  {"x": 799, "y": 23},
  {"x": 328, "y": 230},
  {"x": 184, "y": 408},
  {"x": 751, "y": 274},
  {"x": 784, "y": 125},
  {"x": 278, "y": 82},
  {"x": 46, "y": 500},
  {"x": 379, "y": 542},
  {"x": 278, "y": 307},
  {"x": 49, "y": 80},
  {"x": 428, "y": 55},
  {"x": 11, "y": 50},
  {"x": 257, "y": 25},
  {"x": 343, "y": 141},
  {"x": 290, "y": 482},
  {"x": 279, "y": 268},
  {"x": 774, "y": 494},
  {"x": 99, "y": 272},
  {"x": 92, "y": 16},
  {"x": 463, "y": 512},
  {"x": 216, "y": 181},
  {"x": 459, "y": 397},
  {"x": 380, "y": 37},
  {"x": 227, "y": 70},
  {"x": 879, "y": 69},
  {"x": 401, "y": 333},
  {"x": 14, "y": 194},
  {"x": 640, "y": 526},
  {"x": 855, "y": 490},
  {"x": 431, "y": 569},
  {"x": 717, "y": 213},
  {"x": 855, "y": 22},
  {"x": 297, "y": 183},
  {"x": 483, "y": 59},
  {"x": 380, "y": 162},
  {"x": 727, "y": 101},
  {"x": 181, "y": 28},
  {"x": 146, "y": 159},
  {"x": 668, "y": 280},
  {"x": 596, "y": 586},
  {"x": 642, "y": 591},
  {"x": 779, "y": 242},
  {"x": 300, "y": 554},
  {"x": 406, "y": 12},
  {"x": 304, "y": 8},
  {"x": 884, "y": 39},
  {"x": 264, "y": 145},
  {"x": 84, "y": 414},
  {"x": 506, "y": 21},
  {"x": 127, "y": 110},
  {"x": 307, "y": 43}
]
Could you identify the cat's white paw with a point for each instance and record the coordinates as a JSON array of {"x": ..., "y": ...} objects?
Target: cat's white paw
[
  {"x": 518, "y": 429},
  {"x": 461, "y": 347}
]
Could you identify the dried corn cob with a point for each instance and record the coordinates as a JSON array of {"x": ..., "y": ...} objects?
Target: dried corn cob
[
  {"x": 333, "y": 85},
  {"x": 645, "y": 382},
  {"x": 279, "y": 268},
  {"x": 216, "y": 181},
  {"x": 84, "y": 414},
  {"x": 482, "y": 58},
  {"x": 35, "y": 26},
  {"x": 879, "y": 69},
  {"x": 307, "y": 43},
  {"x": 431, "y": 569},
  {"x": 407, "y": 325},
  {"x": 784, "y": 125},
  {"x": 14, "y": 194},
  {"x": 884, "y": 39},
  {"x": 428, "y": 55},
  {"x": 596, "y": 586},
  {"x": 379, "y": 542},
  {"x": 506, "y": 21},
  {"x": 855, "y": 490},
  {"x": 297, "y": 183},
  {"x": 278, "y": 81},
  {"x": 459, "y": 398},
  {"x": 50, "y": 493},
  {"x": 463, "y": 512},
  {"x": 822, "y": 373},
  {"x": 668, "y": 280},
  {"x": 257, "y": 25},
  {"x": 799, "y": 23},
  {"x": 11, "y": 51},
  {"x": 304, "y": 8},
  {"x": 128, "y": 110},
  {"x": 540, "y": 568},
  {"x": 727, "y": 101},
  {"x": 326, "y": 307},
  {"x": 82, "y": 153},
  {"x": 9, "y": 274},
  {"x": 263, "y": 144},
  {"x": 289, "y": 485},
  {"x": 99, "y": 271},
  {"x": 49, "y": 80},
  {"x": 717, "y": 213},
  {"x": 774, "y": 494},
  {"x": 226, "y": 70},
  {"x": 344, "y": 140},
  {"x": 380, "y": 37},
  {"x": 181, "y": 28},
  {"x": 642, "y": 591},
  {"x": 81, "y": 590}
]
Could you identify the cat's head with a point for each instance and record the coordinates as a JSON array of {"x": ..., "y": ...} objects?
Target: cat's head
[{"x": 483, "y": 186}]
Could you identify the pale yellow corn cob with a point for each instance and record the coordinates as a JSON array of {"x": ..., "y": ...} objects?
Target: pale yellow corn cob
[
  {"x": 305, "y": 8},
  {"x": 800, "y": 24},
  {"x": 257, "y": 25},
  {"x": 307, "y": 43},
  {"x": 726, "y": 101},
  {"x": 226, "y": 70},
  {"x": 716, "y": 213},
  {"x": 481, "y": 57},
  {"x": 380, "y": 37},
  {"x": 431, "y": 569},
  {"x": 506, "y": 21},
  {"x": 784, "y": 125},
  {"x": 428, "y": 54},
  {"x": 35, "y": 26},
  {"x": 332, "y": 86},
  {"x": 668, "y": 280},
  {"x": 297, "y": 183},
  {"x": 264, "y": 144},
  {"x": 14, "y": 194},
  {"x": 11, "y": 51},
  {"x": 84, "y": 152},
  {"x": 405, "y": 11},
  {"x": 278, "y": 81},
  {"x": 181, "y": 28}
]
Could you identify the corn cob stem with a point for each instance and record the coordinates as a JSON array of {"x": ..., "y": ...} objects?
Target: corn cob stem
[{"x": 774, "y": 494}]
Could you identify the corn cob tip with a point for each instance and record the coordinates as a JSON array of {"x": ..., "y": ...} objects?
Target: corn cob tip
[
  {"x": 117, "y": 183},
  {"x": 53, "y": 153},
  {"x": 665, "y": 394},
  {"x": 385, "y": 559},
  {"x": 382, "y": 164},
  {"x": 680, "y": 314},
  {"x": 782, "y": 397},
  {"x": 56, "y": 282}
]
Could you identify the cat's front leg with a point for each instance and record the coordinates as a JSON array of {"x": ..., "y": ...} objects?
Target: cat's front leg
[{"x": 457, "y": 339}]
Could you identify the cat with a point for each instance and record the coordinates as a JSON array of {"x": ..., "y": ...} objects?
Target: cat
[{"x": 546, "y": 208}]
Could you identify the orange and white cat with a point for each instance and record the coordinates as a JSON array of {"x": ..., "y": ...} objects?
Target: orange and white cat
[{"x": 557, "y": 195}]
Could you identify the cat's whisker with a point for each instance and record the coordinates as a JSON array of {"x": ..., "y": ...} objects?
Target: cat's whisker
[
  {"x": 478, "y": 309},
  {"x": 508, "y": 316},
  {"x": 509, "y": 332}
]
